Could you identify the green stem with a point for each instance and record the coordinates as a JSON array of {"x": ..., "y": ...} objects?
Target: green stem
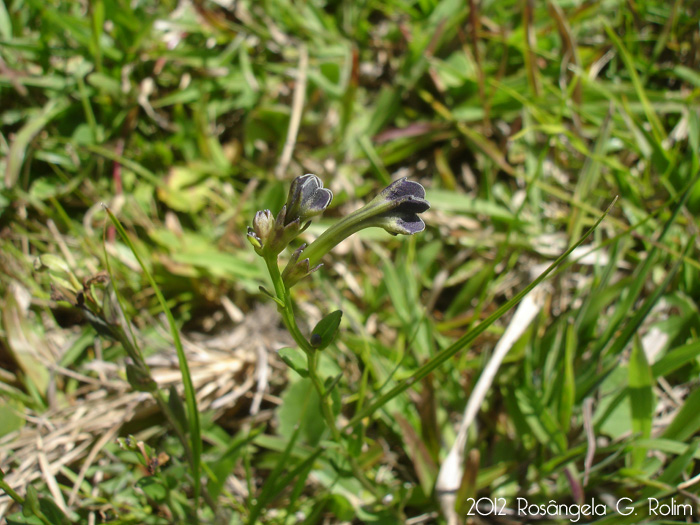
[
  {"x": 136, "y": 355},
  {"x": 287, "y": 312},
  {"x": 10, "y": 492},
  {"x": 343, "y": 229},
  {"x": 20, "y": 500}
]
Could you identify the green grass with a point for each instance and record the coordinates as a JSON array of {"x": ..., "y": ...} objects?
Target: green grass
[{"x": 523, "y": 121}]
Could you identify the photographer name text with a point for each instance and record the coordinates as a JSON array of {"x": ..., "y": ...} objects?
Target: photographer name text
[{"x": 574, "y": 511}]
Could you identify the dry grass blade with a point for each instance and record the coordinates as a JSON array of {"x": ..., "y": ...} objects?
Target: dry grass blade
[
  {"x": 452, "y": 468},
  {"x": 222, "y": 369},
  {"x": 97, "y": 447},
  {"x": 590, "y": 438},
  {"x": 297, "y": 109}
]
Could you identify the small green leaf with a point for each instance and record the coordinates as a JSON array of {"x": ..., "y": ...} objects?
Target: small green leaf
[
  {"x": 641, "y": 399},
  {"x": 52, "y": 513},
  {"x": 10, "y": 415},
  {"x": 31, "y": 502},
  {"x": 153, "y": 488},
  {"x": 324, "y": 332},
  {"x": 296, "y": 360},
  {"x": 139, "y": 379},
  {"x": 271, "y": 295},
  {"x": 300, "y": 412}
]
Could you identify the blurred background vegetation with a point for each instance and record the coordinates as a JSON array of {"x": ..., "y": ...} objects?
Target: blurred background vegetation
[{"x": 522, "y": 119}]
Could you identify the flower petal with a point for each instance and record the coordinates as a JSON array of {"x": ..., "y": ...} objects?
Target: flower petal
[
  {"x": 404, "y": 188},
  {"x": 317, "y": 202},
  {"x": 403, "y": 195},
  {"x": 413, "y": 204},
  {"x": 307, "y": 197},
  {"x": 402, "y": 224}
]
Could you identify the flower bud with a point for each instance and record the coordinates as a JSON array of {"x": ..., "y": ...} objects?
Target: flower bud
[
  {"x": 263, "y": 224},
  {"x": 296, "y": 270},
  {"x": 307, "y": 198}
]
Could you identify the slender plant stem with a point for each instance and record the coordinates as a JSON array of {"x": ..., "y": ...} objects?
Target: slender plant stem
[
  {"x": 20, "y": 500},
  {"x": 359, "y": 219},
  {"x": 284, "y": 295},
  {"x": 10, "y": 492},
  {"x": 157, "y": 394}
]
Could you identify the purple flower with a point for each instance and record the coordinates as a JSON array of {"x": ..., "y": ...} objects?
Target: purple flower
[
  {"x": 395, "y": 209},
  {"x": 405, "y": 199},
  {"x": 307, "y": 198}
]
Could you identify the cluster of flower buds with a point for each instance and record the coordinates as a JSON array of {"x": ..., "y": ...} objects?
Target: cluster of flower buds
[
  {"x": 307, "y": 198},
  {"x": 395, "y": 209}
]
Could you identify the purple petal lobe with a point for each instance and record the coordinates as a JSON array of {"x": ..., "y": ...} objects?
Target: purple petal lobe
[
  {"x": 316, "y": 202},
  {"x": 410, "y": 223},
  {"x": 404, "y": 188},
  {"x": 403, "y": 224},
  {"x": 307, "y": 197},
  {"x": 412, "y": 204}
]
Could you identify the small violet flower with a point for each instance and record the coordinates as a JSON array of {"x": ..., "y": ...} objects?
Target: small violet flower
[
  {"x": 403, "y": 200},
  {"x": 395, "y": 209}
]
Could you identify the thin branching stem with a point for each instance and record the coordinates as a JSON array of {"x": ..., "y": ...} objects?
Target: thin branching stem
[{"x": 284, "y": 295}]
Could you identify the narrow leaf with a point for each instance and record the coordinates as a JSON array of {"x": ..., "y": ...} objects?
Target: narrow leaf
[
  {"x": 295, "y": 359},
  {"x": 177, "y": 408},
  {"x": 641, "y": 399},
  {"x": 15, "y": 156},
  {"x": 324, "y": 332},
  {"x": 191, "y": 400},
  {"x": 568, "y": 391},
  {"x": 687, "y": 419},
  {"x": 676, "y": 358}
]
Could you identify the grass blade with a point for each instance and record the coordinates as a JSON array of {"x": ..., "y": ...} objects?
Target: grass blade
[
  {"x": 687, "y": 420},
  {"x": 641, "y": 399},
  {"x": 470, "y": 336},
  {"x": 656, "y": 126},
  {"x": 15, "y": 156},
  {"x": 190, "y": 399}
]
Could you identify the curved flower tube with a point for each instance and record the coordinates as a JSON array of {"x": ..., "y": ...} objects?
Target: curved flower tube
[{"x": 395, "y": 209}]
